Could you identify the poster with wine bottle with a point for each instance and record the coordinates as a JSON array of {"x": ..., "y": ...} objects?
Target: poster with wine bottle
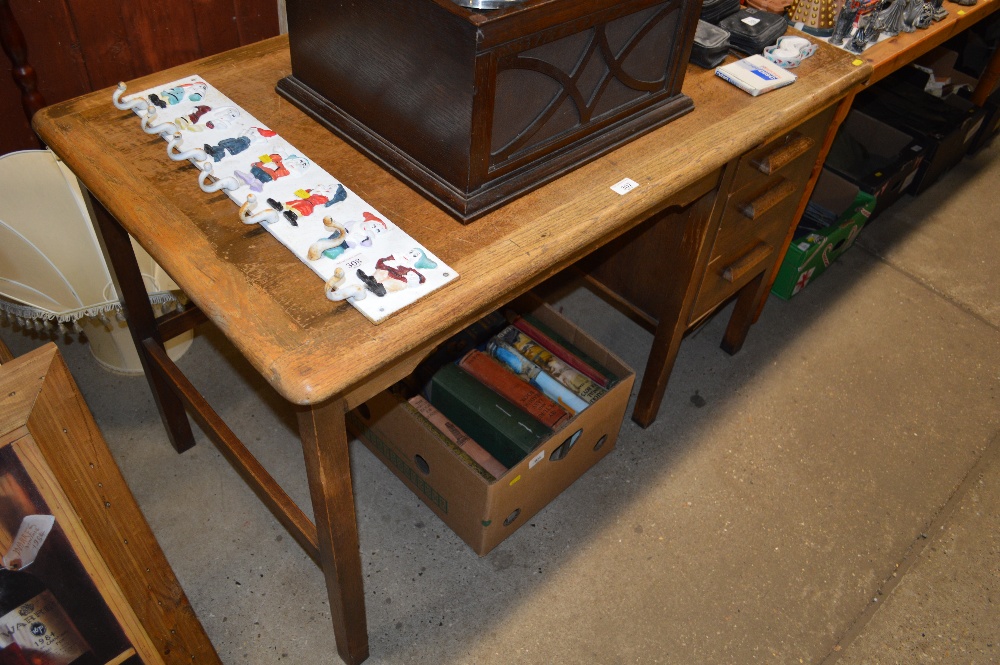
[
  {"x": 48, "y": 601},
  {"x": 79, "y": 566}
]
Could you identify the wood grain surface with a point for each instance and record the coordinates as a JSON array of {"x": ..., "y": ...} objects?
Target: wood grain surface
[{"x": 272, "y": 307}]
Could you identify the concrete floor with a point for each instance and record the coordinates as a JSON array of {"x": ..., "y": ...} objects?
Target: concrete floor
[{"x": 829, "y": 495}]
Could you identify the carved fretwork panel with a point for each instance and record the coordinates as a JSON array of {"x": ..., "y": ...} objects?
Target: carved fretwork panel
[
  {"x": 505, "y": 101},
  {"x": 549, "y": 93}
]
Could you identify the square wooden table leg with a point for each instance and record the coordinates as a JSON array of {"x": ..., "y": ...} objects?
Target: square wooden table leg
[
  {"x": 328, "y": 467},
  {"x": 675, "y": 307},
  {"x": 742, "y": 317},
  {"x": 131, "y": 289}
]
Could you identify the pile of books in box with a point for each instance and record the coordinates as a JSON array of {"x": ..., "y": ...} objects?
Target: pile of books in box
[{"x": 501, "y": 387}]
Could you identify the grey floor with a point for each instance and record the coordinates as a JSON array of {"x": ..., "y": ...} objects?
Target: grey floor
[{"x": 829, "y": 495}]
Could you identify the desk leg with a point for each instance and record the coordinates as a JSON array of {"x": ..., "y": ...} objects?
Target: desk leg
[
  {"x": 328, "y": 467},
  {"x": 675, "y": 312},
  {"x": 131, "y": 289},
  {"x": 988, "y": 80},
  {"x": 743, "y": 314}
]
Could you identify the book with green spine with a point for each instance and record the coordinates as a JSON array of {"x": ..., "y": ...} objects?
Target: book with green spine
[{"x": 506, "y": 431}]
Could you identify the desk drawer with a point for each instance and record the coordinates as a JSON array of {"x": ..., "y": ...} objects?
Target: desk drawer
[
  {"x": 760, "y": 207},
  {"x": 750, "y": 236},
  {"x": 756, "y": 212},
  {"x": 791, "y": 155}
]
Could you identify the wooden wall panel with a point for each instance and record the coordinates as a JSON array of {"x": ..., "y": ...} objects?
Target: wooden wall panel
[
  {"x": 256, "y": 20},
  {"x": 162, "y": 33},
  {"x": 53, "y": 48},
  {"x": 30, "y": 99},
  {"x": 217, "y": 24},
  {"x": 76, "y": 46},
  {"x": 103, "y": 41}
]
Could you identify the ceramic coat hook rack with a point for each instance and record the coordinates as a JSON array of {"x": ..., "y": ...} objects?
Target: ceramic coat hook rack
[{"x": 359, "y": 252}]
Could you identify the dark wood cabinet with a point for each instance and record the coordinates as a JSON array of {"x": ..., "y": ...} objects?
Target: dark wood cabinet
[{"x": 474, "y": 108}]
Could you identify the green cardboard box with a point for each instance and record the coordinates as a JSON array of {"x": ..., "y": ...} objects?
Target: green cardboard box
[{"x": 812, "y": 252}]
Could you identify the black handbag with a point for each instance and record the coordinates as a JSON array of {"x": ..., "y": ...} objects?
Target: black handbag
[
  {"x": 751, "y": 30},
  {"x": 714, "y": 11},
  {"x": 711, "y": 44}
]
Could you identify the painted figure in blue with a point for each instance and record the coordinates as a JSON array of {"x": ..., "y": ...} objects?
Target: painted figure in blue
[
  {"x": 238, "y": 144},
  {"x": 360, "y": 234},
  {"x": 418, "y": 258},
  {"x": 173, "y": 96}
]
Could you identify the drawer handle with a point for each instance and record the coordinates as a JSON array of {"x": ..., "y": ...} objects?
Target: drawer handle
[
  {"x": 745, "y": 264},
  {"x": 787, "y": 153},
  {"x": 772, "y": 197}
]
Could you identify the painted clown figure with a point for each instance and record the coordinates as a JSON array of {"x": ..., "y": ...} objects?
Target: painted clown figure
[
  {"x": 193, "y": 92},
  {"x": 272, "y": 167},
  {"x": 394, "y": 274},
  {"x": 321, "y": 196},
  {"x": 190, "y": 121},
  {"x": 238, "y": 144}
]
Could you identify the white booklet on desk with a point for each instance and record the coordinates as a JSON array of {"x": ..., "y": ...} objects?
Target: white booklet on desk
[
  {"x": 360, "y": 253},
  {"x": 755, "y": 74}
]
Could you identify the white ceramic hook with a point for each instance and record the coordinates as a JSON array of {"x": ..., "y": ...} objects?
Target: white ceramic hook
[
  {"x": 136, "y": 104},
  {"x": 248, "y": 216},
  {"x": 163, "y": 129},
  {"x": 175, "y": 141},
  {"x": 229, "y": 183},
  {"x": 334, "y": 292}
]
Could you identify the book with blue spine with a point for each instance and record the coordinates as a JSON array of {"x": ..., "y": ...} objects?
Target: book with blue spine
[
  {"x": 562, "y": 372},
  {"x": 533, "y": 374}
]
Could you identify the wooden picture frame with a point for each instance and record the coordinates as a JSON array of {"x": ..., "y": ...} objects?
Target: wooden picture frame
[{"x": 101, "y": 560}]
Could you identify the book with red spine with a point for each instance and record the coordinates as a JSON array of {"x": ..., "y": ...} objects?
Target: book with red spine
[
  {"x": 454, "y": 434},
  {"x": 492, "y": 374}
]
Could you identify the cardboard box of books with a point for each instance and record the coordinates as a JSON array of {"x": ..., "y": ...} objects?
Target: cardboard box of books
[
  {"x": 817, "y": 243},
  {"x": 482, "y": 463}
]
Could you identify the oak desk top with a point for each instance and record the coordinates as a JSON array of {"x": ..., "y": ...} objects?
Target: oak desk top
[{"x": 272, "y": 307}]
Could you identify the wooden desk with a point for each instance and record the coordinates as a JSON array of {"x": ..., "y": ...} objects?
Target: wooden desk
[{"x": 326, "y": 358}]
